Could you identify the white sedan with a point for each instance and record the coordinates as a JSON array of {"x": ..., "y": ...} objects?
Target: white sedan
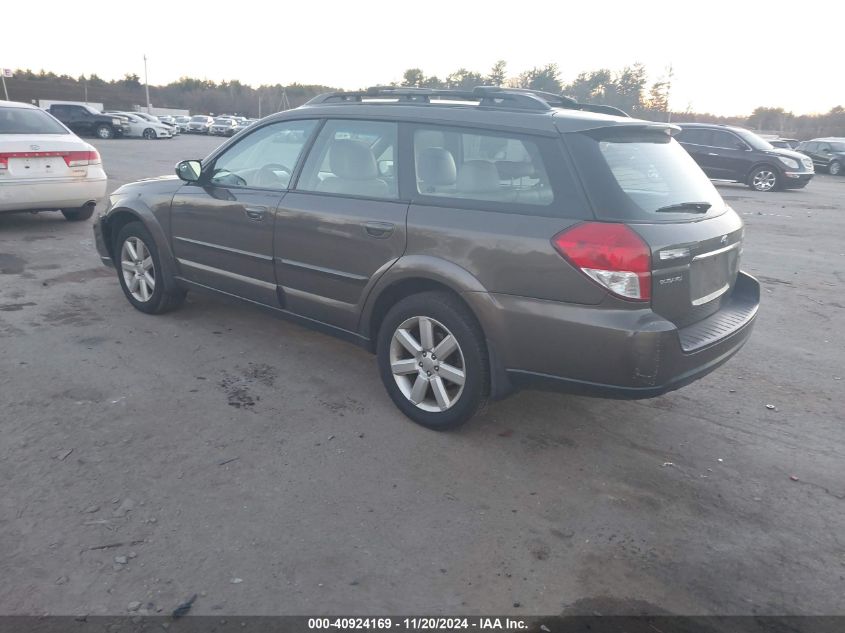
[
  {"x": 142, "y": 128},
  {"x": 46, "y": 167}
]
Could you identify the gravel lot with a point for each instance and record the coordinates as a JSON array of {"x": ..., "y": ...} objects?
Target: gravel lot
[{"x": 121, "y": 438}]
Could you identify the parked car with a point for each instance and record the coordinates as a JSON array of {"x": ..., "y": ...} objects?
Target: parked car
[
  {"x": 222, "y": 127},
  {"x": 152, "y": 118},
  {"x": 199, "y": 124},
  {"x": 784, "y": 143},
  {"x": 826, "y": 153},
  {"x": 243, "y": 124},
  {"x": 86, "y": 121},
  {"x": 182, "y": 123},
  {"x": 491, "y": 248},
  {"x": 46, "y": 167},
  {"x": 140, "y": 127},
  {"x": 726, "y": 152}
]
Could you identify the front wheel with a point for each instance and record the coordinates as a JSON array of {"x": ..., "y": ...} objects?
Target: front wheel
[
  {"x": 835, "y": 168},
  {"x": 140, "y": 272},
  {"x": 149, "y": 134},
  {"x": 104, "y": 132},
  {"x": 433, "y": 360},
  {"x": 764, "y": 178}
]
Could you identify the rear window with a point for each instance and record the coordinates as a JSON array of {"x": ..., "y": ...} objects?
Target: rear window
[
  {"x": 28, "y": 121},
  {"x": 632, "y": 175}
]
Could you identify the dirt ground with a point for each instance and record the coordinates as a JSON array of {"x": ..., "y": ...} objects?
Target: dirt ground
[{"x": 222, "y": 452}]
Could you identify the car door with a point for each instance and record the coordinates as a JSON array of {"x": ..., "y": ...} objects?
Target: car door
[
  {"x": 67, "y": 115},
  {"x": 222, "y": 225},
  {"x": 726, "y": 157},
  {"x": 823, "y": 155},
  {"x": 343, "y": 224}
]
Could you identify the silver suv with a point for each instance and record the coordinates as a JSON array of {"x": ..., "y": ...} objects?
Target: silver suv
[{"x": 477, "y": 241}]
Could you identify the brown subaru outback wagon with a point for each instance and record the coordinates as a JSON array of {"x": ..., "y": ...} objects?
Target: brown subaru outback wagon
[{"x": 477, "y": 241}]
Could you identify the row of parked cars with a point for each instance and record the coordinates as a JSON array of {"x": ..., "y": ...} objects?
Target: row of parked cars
[
  {"x": 735, "y": 154},
  {"x": 224, "y": 125}
]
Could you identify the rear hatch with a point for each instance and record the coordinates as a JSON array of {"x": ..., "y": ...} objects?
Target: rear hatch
[{"x": 639, "y": 176}]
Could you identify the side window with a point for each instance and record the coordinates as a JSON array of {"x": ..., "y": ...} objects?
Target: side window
[
  {"x": 484, "y": 167},
  {"x": 353, "y": 158},
  {"x": 694, "y": 136},
  {"x": 725, "y": 140},
  {"x": 824, "y": 148},
  {"x": 265, "y": 159}
]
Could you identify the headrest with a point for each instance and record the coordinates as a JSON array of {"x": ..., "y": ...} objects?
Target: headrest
[
  {"x": 352, "y": 160},
  {"x": 478, "y": 176},
  {"x": 436, "y": 167},
  {"x": 514, "y": 169}
]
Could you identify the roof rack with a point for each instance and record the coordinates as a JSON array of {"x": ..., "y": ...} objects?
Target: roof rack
[{"x": 490, "y": 96}]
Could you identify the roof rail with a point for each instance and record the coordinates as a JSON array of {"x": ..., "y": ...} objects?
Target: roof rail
[{"x": 490, "y": 96}]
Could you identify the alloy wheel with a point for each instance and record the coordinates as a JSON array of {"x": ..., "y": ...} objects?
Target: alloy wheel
[
  {"x": 764, "y": 180},
  {"x": 427, "y": 364},
  {"x": 834, "y": 168},
  {"x": 136, "y": 264}
]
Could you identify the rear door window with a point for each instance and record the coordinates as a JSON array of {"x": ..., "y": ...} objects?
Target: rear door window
[
  {"x": 637, "y": 175},
  {"x": 493, "y": 171},
  {"x": 694, "y": 136}
]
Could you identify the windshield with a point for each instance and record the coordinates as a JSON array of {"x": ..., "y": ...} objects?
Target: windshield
[
  {"x": 636, "y": 175},
  {"x": 222, "y": 121},
  {"x": 756, "y": 142},
  {"x": 199, "y": 119},
  {"x": 28, "y": 121},
  {"x": 838, "y": 147}
]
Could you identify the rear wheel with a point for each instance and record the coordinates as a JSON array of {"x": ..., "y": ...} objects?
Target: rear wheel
[
  {"x": 764, "y": 178},
  {"x": 80, "y": 214},
  {"x": 140, "y": 272},
  {"x": 835, "y": 168},
  {"x": 433, "y": 360},
  {"x": 104, "y": 132},
  {"x": 149, "y": 134}
]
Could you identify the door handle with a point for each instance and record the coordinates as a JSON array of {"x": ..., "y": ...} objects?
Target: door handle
[
  {"x": 255, "y": 213},
  {"x": 379, "y": 229}
]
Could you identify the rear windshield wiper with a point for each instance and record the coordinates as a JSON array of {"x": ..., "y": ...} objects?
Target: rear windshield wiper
[{"x": 695, "y": 207}]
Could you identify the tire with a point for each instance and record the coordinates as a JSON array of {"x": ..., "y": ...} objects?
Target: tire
[
  {"x": 835, "y": 168},
  {"x": 149, "y": 134},
  {"x": 157, "y": 301},
  {"x": 764, "y": 178},
  {"x": 104, "y": 132},
  {"x": 441, "y": 403},
  {"x": 80, "y": 214}
]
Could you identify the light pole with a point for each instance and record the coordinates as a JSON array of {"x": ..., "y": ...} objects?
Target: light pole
[{"x": 146, "y": 84}]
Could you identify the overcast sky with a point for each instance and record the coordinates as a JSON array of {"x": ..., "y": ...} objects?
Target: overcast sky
[{"x": 728, "y": 57}]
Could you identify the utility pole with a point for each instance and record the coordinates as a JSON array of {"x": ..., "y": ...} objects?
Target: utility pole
[
  {"x": 146, "y": 84},
  {"x": 3, "y": 77},
  {"x": 259, "y": 105},
  {"x": 85, "y": 83}
]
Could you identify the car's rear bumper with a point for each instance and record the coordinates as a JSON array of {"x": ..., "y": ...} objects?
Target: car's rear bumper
[
  {"x": 52, "y": 194},
  {"x": 597, "y": 351}
]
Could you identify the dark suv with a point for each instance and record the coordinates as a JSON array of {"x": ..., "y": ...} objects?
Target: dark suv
[
  {"x": 86, "y": 121},
  {"x": 732, "y": 153},
  {"x": 477, "y": 242},
  {"x": 826, "y": 153}
]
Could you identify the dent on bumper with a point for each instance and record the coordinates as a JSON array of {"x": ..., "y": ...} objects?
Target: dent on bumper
[{"x": 603, "y": 352}]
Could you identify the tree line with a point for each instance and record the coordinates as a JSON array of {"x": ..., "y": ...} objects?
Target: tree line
[{"x": 627, "y": 88}]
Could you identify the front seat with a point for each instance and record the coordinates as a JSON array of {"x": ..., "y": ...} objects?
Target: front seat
[{"x": 355, "y": 171}]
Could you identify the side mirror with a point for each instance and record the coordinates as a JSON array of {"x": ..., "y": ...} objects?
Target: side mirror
[{"x": 189, "y": 170}]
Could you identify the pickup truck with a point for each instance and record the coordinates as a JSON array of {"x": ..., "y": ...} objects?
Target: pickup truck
[{"x": 85, "y": 120}]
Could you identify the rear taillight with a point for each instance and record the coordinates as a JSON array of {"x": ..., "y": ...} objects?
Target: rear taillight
[
  {"x": 4, "y": 162},
  {"x": 612, "y": 255},
  {"x": 82, "y": 159}
]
